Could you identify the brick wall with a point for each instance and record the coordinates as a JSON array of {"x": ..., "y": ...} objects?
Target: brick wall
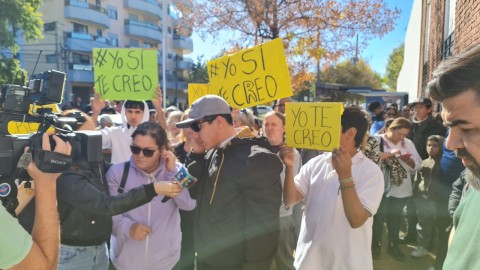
[
  {"x": 467, "y": 29},
  {"x": 467, "y": 24}
]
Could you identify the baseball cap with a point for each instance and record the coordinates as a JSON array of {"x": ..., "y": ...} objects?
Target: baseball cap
[
  {"x": 205, "y": 106},
  {"x": 421, "y": 100}
]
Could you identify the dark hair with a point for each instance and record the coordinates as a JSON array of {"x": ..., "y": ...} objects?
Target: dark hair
[
  {"x": 374, "y": 105},
  {"x": 134, "y": 104},
  {"x": 227, "y": 117},
  {"x": 354, "y": 118},
  {"x": 154, "y": 130},
  {"x": 439, "y": 140},
  {"x": 456, "y": 75}
]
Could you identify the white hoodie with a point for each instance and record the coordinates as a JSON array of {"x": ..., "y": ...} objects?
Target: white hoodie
[{"x": 119, "y": 139}]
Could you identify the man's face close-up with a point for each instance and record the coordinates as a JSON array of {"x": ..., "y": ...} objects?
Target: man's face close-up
[
  {"x": 134, "y": 116},
  {"x": 460, "y": 113}
]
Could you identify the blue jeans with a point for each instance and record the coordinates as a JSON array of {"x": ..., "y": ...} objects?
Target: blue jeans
[{"x": 82, "y": 258}]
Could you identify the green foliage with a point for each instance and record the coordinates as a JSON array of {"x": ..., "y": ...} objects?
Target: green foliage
[
  {"x": 14, "y": 16},
  {"x": 348, "y": 73},
  {"x": 8, "y": 68},
  {"x": 198, "y": 73},
  {"x": 394, "y": 65}
]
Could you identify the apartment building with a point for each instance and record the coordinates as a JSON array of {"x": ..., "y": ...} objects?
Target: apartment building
[
  {"x": 437, "y": 30},
  {"x": 72, "y": 28}
]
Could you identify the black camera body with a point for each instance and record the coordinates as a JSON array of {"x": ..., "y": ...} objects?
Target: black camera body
[{"x": 44, "y": 88}]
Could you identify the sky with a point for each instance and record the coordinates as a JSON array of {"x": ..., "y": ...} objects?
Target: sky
[{"x": 376, "y": 53}]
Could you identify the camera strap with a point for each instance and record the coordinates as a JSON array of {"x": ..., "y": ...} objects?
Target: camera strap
[
  {"x": 126, "y": 168},
  {"x": 51, "y": 162}
]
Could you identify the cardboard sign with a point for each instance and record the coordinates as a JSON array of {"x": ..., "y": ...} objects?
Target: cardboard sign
[
  {"x": 252, "y": 76},
  {"x": 125, "y": 73},
  {"x": 313, "y": 125},
  {"x": 196, "y": 91}
]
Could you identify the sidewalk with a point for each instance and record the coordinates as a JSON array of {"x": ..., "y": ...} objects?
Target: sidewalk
[{"x": 387, "y": 262}]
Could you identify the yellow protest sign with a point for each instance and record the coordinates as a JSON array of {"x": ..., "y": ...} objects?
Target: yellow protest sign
[
  {"x": 196, "y": 91},
  {"x": 252, "y": 76},
  {"x": 313, "y": 125},
  {"x": 130, "y": 73},
  {"x": 17, "y": 127}
]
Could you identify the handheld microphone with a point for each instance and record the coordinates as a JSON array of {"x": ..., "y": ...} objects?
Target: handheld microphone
[{"x": 186, "y": 181}]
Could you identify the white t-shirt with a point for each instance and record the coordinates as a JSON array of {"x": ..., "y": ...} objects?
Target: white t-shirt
[
  {"x": 405, "y": 147},
  {"x": 327, "y": 241}
]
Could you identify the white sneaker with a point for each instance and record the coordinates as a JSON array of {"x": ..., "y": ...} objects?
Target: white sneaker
[{"x": 419, "y": 252}]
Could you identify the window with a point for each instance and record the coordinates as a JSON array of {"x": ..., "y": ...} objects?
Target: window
[
  {"x": 134, "y": 43},
  {"x": 80, "y": 28},
  {"x": 133, "y": 17},
  {"x": 449, "y": 28},
  {"x": 99, "y": 32},
  {"x": 112, "y": 12},
  {"x": 113, "y": 39},
  {"x": 170, "y": 55},
  {"x": 169, "y": 29},
  {"x": 81, "y": 59},
  {"x": 49, "y": 26},
  {"x": 52, "y": 58}
]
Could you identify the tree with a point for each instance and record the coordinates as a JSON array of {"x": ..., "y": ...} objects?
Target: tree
[
  {"x": 198, "y": 73},
  {"x": 14, "y": 16},
  {"x": 348, "y": 73},
  {"x": 394, "y": 65},
  {"x": 314, "y": 31}
]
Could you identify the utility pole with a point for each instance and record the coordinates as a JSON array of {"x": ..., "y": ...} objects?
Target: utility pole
[
  {"x": 56, "y": 46},
  {"x": 164, "y": 51}
]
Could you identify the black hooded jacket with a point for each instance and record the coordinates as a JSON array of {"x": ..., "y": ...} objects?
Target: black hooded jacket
[{"x": 239, "y": 194}]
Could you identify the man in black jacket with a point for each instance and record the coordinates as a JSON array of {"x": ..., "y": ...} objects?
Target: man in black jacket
[{"x": 239, "y": 192}]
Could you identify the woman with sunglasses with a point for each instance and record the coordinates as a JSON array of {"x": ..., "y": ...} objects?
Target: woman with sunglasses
[{"x": 149, "y": 236}]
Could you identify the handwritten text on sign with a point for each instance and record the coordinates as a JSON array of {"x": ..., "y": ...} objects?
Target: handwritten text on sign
[
  {"x": 125, "y": 73},
  {"x": 196, "y": 91},
  {"x": 313, "y": 125},
  {"x": 252, "y": 76}
]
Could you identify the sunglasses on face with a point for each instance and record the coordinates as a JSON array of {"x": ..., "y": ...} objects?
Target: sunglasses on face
[
  {"x": 146, "y": 152},
  {"x": 195, "y": 126}
]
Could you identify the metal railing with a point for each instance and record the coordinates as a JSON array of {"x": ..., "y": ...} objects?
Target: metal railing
[
  {"x": 74, "y": 3},
  {"x": 447, "y": 46}
]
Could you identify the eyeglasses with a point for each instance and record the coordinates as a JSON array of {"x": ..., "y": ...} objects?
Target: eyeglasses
[
  {"x": 195, "y": 126},
  {"x": 146, "y": 152}
]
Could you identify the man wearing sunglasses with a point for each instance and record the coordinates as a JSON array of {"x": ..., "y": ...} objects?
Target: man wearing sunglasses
[{"x": 239, "y": 192}]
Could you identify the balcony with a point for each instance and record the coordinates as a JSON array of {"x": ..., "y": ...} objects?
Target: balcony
[
  {"x": 85, "y": 42},
  {"x": 149, "y": 8},
  {"x": 184, "y": 63},
  {"x": 78, "y": 73},
  {"x": 143, "y": 30},
  {"x": 185, "y": 44},
  {"x": 86, "y": 12}
]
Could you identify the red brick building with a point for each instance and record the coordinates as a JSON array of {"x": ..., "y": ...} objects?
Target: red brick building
[{"x": 448, "y": 27}]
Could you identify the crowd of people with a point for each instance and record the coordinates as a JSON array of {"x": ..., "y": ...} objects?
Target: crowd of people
[{"x": 257, "y": 202}]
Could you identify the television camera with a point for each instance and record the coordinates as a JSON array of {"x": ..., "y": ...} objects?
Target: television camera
[{"x": 23, "y": 107}]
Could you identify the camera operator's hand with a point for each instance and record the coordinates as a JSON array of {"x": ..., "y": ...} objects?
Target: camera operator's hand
[
  {"x": 46, "y": 230},
  {"x": 61, "y": 147}
]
